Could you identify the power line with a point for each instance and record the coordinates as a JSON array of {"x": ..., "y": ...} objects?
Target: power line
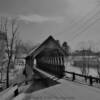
[
  {"x": 83, "y": 18},
  {"x": 87, "y": 20},
  {"x": 84, "y": 29},
  {"x": 87, "y": 26}
]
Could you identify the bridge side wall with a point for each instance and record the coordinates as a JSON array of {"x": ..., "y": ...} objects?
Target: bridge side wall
[{"x": 53, "y": 65}]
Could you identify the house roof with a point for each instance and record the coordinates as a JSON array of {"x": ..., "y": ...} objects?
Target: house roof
[{"x": 35, "y": 51}]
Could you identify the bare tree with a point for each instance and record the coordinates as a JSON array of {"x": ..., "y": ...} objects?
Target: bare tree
[
  {"x": 98, "y": 67},
  {"x": 2, "y": 57},
  {"x": 86, "y": 48},
  {"x": 9, "y": 27},
  {"x": 85, "y": 62},
  {"x": 17, "y": 48},
  {"x": 66, "y": 47}
]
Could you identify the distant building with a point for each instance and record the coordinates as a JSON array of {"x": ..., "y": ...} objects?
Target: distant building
[
  {"x": 20, "y": 62},
  {"x": 85, "y": 57}
]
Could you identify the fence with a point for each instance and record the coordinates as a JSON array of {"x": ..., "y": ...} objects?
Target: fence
[{"x": 87, "y": 79}]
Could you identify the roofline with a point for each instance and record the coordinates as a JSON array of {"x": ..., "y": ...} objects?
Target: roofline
[
  {"x": 43, "y": 43},
  {"x": 30, "y": 53}
]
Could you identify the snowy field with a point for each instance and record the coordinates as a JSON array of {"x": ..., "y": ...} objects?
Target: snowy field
[{"x": 69, "y": 67}]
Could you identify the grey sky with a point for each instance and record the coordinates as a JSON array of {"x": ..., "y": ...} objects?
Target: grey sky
[{"x": 61, "y": 18}]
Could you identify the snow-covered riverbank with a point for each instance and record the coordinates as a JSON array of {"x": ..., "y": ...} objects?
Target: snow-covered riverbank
[{"x": 69, "y": 67}]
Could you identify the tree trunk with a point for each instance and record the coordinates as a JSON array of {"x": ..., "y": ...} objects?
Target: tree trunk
[
  {"x": 1, "y": 76},
  {"x": 7, "y": 80}
]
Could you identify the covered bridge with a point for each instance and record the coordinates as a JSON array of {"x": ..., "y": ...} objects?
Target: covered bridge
[{"x": 48, "y": 56}]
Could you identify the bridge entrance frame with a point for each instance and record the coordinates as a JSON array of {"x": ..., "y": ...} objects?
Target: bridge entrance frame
[{"x": 49, "y": 57}]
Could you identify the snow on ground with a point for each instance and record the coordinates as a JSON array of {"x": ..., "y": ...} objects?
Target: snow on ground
[
  {"x": 8, "y": 93},
  {"x": 64, "y": 91},
  {"x": 69, "y": 67},
  {"x": 23, "y": 96},
  {"x": 67, "y": 90}
]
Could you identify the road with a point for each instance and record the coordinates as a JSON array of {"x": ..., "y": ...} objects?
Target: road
[{"x": 67, "y": 90}]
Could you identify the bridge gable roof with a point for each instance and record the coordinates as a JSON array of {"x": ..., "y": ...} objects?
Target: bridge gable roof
[{"x": 50, "y": 42}]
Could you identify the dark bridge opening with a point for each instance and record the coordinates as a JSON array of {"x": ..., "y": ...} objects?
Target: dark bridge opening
[{"x": 51, "y": 61}]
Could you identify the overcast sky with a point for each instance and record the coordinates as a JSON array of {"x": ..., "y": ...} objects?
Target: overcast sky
[{"x": 66, "y": 20}]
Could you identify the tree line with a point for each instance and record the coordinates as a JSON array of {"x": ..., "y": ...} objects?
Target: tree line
[{"x": 11, "y": 45}]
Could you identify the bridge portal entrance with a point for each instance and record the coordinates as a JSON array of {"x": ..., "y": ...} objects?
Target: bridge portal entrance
[{"x": 49, "y": 57}]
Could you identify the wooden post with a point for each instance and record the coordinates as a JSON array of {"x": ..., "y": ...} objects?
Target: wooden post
[
  {"x": 56, "y": 64},
  {"x": 91, "y": 80},
  {"x": 16, "y": 92},
  {"x": 85, "y": 78},
  {"x": 54, "y": 60},
  {"x": 50, "y": 60},
  {"x": 62, "y": 61},
  {"x": 73, "y": 77}
]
